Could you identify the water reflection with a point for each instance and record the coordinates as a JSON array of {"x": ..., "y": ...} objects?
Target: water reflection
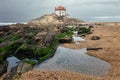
[{"x": 75, "y": 60}]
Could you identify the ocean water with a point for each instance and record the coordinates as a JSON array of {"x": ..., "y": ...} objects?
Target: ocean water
[
  {"x": 101, "y": 19},
  {"x": 9, "y": 23},
  {"x": 2, "y": 23}
]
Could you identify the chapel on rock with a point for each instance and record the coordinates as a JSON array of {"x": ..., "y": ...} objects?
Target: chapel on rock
[{"x": 60, "y": 11}]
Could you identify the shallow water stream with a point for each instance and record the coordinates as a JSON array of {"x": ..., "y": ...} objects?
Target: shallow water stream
[{"x": 75, "y": 60}]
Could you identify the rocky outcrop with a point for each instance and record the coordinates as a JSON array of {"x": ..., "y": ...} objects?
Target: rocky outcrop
[
  {"x": 52, "y": 19},
  {"x": 46, "y": 20}
]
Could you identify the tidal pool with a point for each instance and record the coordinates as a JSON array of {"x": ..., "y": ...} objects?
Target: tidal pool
[
  {"x": 12, "y": 62},
  {"x": 76, "y": 61}
]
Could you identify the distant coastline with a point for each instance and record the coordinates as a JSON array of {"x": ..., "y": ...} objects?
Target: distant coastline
[{"x": 9, "y": 23}]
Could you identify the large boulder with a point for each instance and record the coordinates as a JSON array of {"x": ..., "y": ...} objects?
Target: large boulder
[
  {"x": 73, "y": 20},
  {"x": 21, "y": 68}
]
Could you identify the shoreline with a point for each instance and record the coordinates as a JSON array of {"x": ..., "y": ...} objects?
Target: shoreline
[
  {"x": 109, "y": 42},
  {"x": 109, "y": 39}
]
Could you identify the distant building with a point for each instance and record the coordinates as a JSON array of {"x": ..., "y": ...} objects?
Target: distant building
[{"x": 60, "y": 11}]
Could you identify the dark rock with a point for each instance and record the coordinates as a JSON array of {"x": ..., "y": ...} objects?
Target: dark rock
[
  {"x": 94, "y": 49},
  {"x": 95, "y": 38},
  {"x": 1, "y": 33},
  {"x": 65, "y": 40},
  {"x": 24, "y": 53},
  {"x": 5, "y": 28},
  {"x": 91, "y": 26},
  {"x": 3, "y": 67}
]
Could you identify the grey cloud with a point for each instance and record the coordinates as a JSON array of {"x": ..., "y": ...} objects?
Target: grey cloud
[{"x": 24, "y": 10}]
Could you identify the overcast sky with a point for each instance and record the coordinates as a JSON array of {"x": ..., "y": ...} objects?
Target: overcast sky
[{"x": 87, "y": 10}]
